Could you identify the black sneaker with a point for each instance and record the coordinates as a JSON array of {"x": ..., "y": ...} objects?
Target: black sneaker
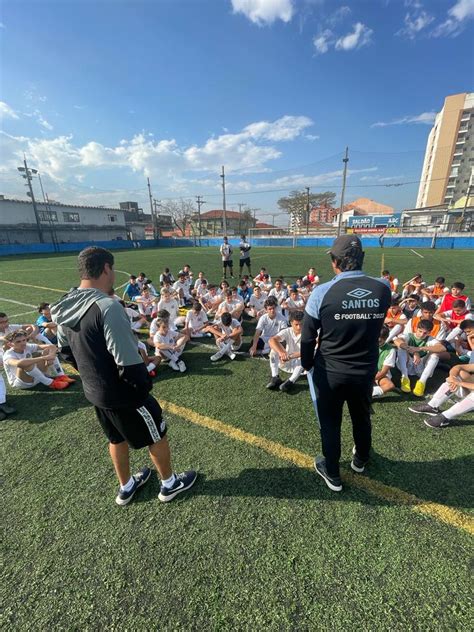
[
  {"x": 2, "y": 415},
  {"x": 183, "y": 481},
  {"x": 438, "y": 421},
  {"x": 274, "y": 383},
  {"x": 7, "y": 409},
  {"x": 286, "y": 386},
  {"x": 333, "y": 483},
  {"x": 357, "y": 464},
  {"x": 423, "y": 409},
  {"x": 140, "y": 478}
]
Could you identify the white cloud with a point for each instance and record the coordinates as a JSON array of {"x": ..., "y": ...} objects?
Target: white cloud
[
  {"x": 311, "y": 137},
  {"x": 79, "y": 107},
  {"x": 426, "y": 117},
  {"x": 7, "y": 112},
  {"x": 454, "y": 24},
  {"x": 415, "y": 20},
  {"x": 339, "y": 15},
  {"x": 264, "y": 12},
  {"x": 323, "y": 41},
  {"x": 246, "y": 151},
  {"x": 360, "y": 36}
]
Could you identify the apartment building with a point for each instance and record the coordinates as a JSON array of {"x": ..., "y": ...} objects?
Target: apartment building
[{"x": 449, "y": 159}]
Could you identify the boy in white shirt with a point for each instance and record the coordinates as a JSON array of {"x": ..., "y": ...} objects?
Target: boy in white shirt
[
  {"x": 146, "y": 302},
  {"x": 137, "y": 321},
  {"x": 285, "y": 354},
  {"x": 279, "y": 291},
  {"x": 228, "y": 335},
  {"x": 170, "y": 345},
  {"x": 211, "y": 300},
  {"x": 418, "y": 354},
  {"x": 172, "y": 307},
  {"x": 229, "y": 304},
  {"x": 199, "y": 280},
  {"x": 196, "y": 321},
  {"x": 295, "y": 302},
  {"x": 270, "y": 324},
  {"x": 181, "y": 286},
  {"x": 256, "y": 303},
  {"x": 26, "y": 364}
]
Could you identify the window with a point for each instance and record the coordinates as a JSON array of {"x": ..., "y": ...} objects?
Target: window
[
  {"x": 112, "y": 218},
  {"x": 71, "y": 217},
  {"x": 48, "y": 216}
]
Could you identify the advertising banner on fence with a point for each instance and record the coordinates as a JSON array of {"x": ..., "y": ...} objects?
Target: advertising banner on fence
[{"x": 390, "y": 224}]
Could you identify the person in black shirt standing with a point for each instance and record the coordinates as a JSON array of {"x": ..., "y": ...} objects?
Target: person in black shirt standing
[
  {"x": 95, "y": 330},
  {"x": 342, "y": 322}
]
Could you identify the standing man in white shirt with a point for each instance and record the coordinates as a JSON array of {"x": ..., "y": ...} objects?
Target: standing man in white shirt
[{"x": 226, "y": 254}]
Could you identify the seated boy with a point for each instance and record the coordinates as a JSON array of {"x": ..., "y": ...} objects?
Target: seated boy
[
  {"x": 182, "y": 287},
  {"x": 418, "y": 354},
  {"x": 230, "y": 304},
  {"x": 146, "y": 302},
  {"x": 453, "y": 317},
  {"x": 436, "y": 291},
  {"x": 211, "y": 300},
  {"x": 172, "y": 307},
  {"x": 387, "y": 360},
  {"x": 279, "y": 291},
  {"x": 395, "y": 319},
  {"x": 256, "y": 303},
  {"x": 196, "y": 321},
  {"x": 285, "y": 354},
  {"x": 170, "y": 345},
  {"x": 460, "y": 383},
  {"x": 132, "y": 289},
  {"x": 45, "y": 325},
  {"x": 245, "y": 292},
  {"x": 27, "y": 364},
  {"x": 294, "y": 302},
  {"x": 426, "y": 312},
  {"x": 269, "y": 325},
  {"x": 312, "y": 277},
  {"x": 394, "y": 282},
  {"x": 456, "y": 293},
  {"x": 228, "y": 335}
]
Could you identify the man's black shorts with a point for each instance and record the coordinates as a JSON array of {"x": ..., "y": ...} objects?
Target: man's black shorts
[
  {"x": 245, "y": 262},
  {"x": 139, "y": 427},
  {"x": 228, "y": 264}
]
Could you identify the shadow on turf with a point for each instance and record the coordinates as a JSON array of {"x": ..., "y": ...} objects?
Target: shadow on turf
[{"x": 42, "y": 406}]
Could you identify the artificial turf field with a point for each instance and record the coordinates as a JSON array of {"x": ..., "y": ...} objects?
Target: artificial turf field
[{"x": 259, "y": 542}]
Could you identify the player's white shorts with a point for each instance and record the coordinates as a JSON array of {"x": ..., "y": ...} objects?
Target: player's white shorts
[{"x": 20, "y": 384}]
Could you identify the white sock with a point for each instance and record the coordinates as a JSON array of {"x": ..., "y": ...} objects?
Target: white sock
[
  {"x": 57, "y": 367},
  {"x": 430, "y": 366},
  {"x": 169, "y": 482},
  {"x": 297, "y": 371},
  {"x": 39, "y": 375},
  {"x": 402, "y": 358},
  {"x": 128, "y": 485},
  {"x": 3, "y": 391},
  {"x": 442, "y": 395},
  {"x": 464, "y": 406},
  {"x": 394, "y": 332},
  {"x": 151, "y": 367},
  {"x": 274, "y": 363},
  {"x": 377, "y": 391}
]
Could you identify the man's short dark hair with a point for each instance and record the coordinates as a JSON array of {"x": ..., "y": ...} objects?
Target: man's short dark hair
[
  {"x": 295, "y": 315},
  {"x": 353, "y": 260},
  {"x": 459, "y": 285},
  {"x": 465, "y": 324},
  {"x": 270, "y": 302},
  {"x": 226, "y": 319},
  {"x": 429, "y": 306},
  {"x": 3, "y": 315},
  {"x": 426, "y": 325},
  {"x": 42, "y": 306},
  {"x": 440, "y": 280},
  {"x": 459, "y": 303},
  {"x": 91, "y": 262}
]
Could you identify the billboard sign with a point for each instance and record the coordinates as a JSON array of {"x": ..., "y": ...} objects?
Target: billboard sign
[{"x": 374, "y": 223}]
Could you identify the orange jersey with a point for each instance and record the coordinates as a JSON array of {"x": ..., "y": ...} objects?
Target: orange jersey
[{"x": 436, "y": 325}]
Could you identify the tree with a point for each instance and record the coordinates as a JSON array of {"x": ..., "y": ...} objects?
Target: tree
[
  {"x": 296, "y": 201},
  {"x": 180, "y": 211}
]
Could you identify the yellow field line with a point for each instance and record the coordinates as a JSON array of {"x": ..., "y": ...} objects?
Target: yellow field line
[
  {"x": 443, "y": 513},
  {"x": 37, "y": 287}
]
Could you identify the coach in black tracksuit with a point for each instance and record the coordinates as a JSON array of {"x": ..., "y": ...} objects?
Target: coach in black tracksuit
[{"x": 342, "y": 321}]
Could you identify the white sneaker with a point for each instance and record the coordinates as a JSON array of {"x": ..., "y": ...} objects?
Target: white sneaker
[
  {"x": 181, "y": 366},
  {"x": 174, "y": 365},
  {"x": 231, "y": 355},
  {"x": 216, "y": 356}
]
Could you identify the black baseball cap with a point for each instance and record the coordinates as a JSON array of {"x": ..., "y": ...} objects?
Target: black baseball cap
[{"x": 345, "y": 245}]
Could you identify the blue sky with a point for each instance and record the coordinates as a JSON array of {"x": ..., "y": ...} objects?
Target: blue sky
[{"x": 101, "y": 95}]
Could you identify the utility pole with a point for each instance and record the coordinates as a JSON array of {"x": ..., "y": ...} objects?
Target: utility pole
[
  {"x": 28, "y": 175},
  {"x": 153, "y": 219},
  {"x": 345, "y": 160},
  {"x": 223, "y": 201},
  {"x": 200, "y": 202},
  {"x": 52, "y": 228},
  {"x": 307, "y": 210}
]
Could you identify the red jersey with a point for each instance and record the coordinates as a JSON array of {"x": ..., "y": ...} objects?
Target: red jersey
[{"x": 448, "y": 300}]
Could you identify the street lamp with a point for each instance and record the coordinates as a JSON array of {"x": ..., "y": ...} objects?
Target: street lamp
[{"x": 27, "y": 174}]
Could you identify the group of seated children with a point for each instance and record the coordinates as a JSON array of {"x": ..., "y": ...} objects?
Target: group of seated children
[{"x": 425, "y": 325}]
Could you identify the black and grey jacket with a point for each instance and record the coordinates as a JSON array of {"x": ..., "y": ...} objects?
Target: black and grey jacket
[{"x": 97, "y": 331}]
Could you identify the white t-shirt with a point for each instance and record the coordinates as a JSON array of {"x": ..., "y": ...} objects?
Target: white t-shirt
[
  {"x": 10, "y": 354},
  {"x": 167, "y": 339},
  {"x": 298, "y": 304},
  {"x": 182, "y": 286},
  {"x": 291, "y": 340},
  {"x": 227, "y": 330},
  {"x": 227, "y": 307},
  {"x": 270, "y": 327},
  {"x": 257, "y": 303},
  {"x": 196, "y": 320},
  {"x": 280, "y": 295},
  {"x": 226, "y": 252},
  {"x": 171, "y": 306}
]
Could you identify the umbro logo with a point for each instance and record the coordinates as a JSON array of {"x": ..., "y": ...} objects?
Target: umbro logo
[{"x": 359, "y": 293}]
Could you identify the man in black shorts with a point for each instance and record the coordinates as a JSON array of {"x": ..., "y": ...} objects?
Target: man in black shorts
[
  {"x": 95, "y": 330},
  {"x": 226, "y": 254}
]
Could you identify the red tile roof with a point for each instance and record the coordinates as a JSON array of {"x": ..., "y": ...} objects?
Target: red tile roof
[{"x": 220, "y": 214}]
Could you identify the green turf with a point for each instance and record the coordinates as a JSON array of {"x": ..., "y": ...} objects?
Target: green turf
[{"x": 259, "y": 544}]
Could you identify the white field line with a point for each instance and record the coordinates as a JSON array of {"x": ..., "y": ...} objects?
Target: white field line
[
  {"x": 33, "y": 311},
  {"x": 9, "y": 300},
  {"x": 416, "y": 253}
]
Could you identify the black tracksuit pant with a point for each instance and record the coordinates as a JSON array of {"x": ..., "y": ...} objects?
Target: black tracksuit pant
[{"x": 332, "y": 390}]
